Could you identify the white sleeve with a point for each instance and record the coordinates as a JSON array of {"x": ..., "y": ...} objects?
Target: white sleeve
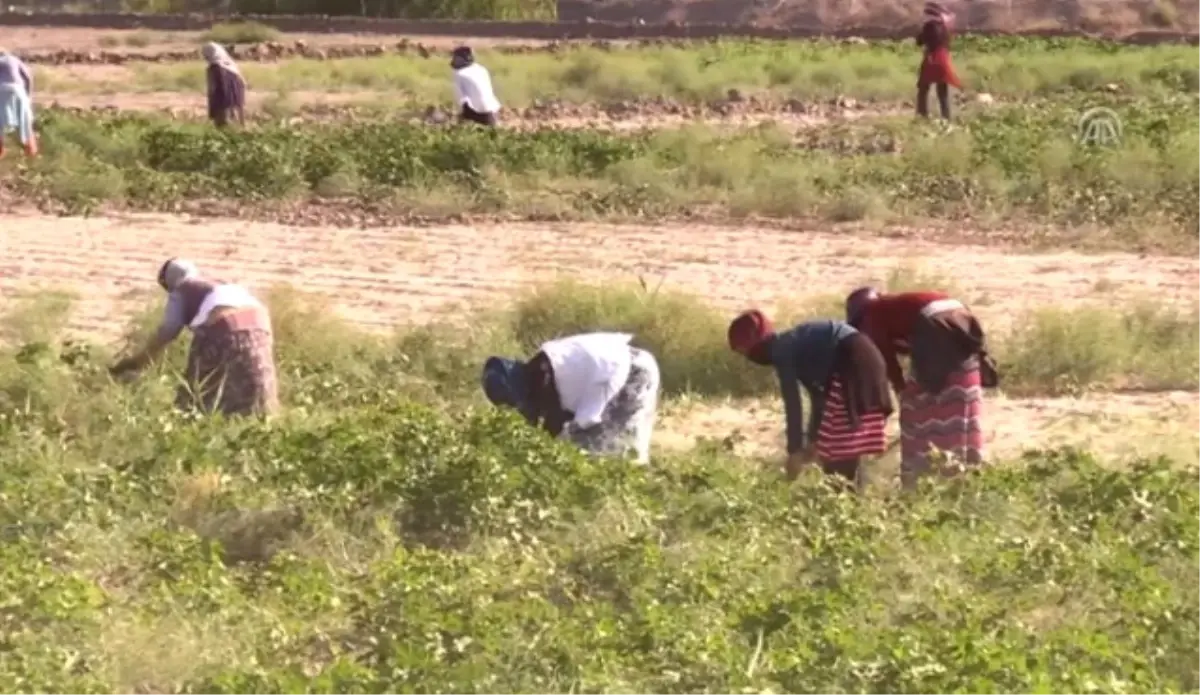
[{"x": 459, "y": 97}]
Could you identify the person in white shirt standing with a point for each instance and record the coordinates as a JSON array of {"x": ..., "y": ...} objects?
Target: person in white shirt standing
[
  {"x": 473, "y": 88},
  {"x": 595, "y": 390},
  {"x": 16, "y": 102}
]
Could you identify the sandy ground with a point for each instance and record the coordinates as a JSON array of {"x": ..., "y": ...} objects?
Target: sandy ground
[
  {"x": 1122, "y": 426},
  {"x": 387, "y": 276},
  {"x": 381, "y": 277}
]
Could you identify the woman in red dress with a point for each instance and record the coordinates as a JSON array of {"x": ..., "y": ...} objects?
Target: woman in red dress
[{"x": 936, "y": 68}]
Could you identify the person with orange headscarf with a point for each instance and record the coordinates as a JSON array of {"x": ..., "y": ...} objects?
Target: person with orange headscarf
[
  {"x": 846, "y": 381},
  {"x": 937, "y": 70}
]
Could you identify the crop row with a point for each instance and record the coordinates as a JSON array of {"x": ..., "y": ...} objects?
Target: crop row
[
  {"x": 1020, "y": 161},
  {"x": 370, "y": 544},
  {"x": 1007, "y": 68}
]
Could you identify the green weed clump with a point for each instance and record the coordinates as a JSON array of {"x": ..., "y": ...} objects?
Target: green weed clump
[
  {"x": 1146, "y": 347},
  {"x": 324, "y": 362},
  {"x": 1008, "y": 163},
  {"x": 1047, "y": 352},
  {"x": 374, "y": 544},
  {"x": 1018, "y": 68}
]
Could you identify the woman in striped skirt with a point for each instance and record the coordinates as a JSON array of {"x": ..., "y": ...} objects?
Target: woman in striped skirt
[
  {"x": 941, "y": 405},
  {"x": 231, "y": 361},
  {"x": 846, "y": 381}
]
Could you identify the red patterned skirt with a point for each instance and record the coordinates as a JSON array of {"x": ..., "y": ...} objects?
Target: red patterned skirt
[
  {"x": 948, "y": 421},
  {"x": 837, "y": 440},
  {"x": 938, "y": 68}
]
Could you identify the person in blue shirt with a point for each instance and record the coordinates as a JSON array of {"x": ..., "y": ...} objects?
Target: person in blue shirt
[{"x": 845, "y": 377}]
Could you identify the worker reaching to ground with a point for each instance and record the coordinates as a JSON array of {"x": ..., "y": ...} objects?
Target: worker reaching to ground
[
  {"x": 595, "y": 390},
  {"x": 941, "y": 403},
  {"x": 231, "y": 361},
  {"x": 846, "y": 381},
  {"x": 473, "y": 89}
]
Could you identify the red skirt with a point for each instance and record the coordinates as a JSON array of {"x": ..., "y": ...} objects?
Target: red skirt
[
  {"x": 938, "y": 68},
  {"x": 836, "y": 441}
]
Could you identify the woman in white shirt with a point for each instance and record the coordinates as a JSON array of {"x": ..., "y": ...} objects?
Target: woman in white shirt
[
  {"x": 16, "y": 102},
  {"x": 473, "y": 88},
  {"x": 231, "y": 361},
  {"x": 595, "y": 390}
]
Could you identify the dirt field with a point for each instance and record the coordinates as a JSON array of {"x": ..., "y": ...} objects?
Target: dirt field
[
  {"x": 383, "y": 277},
  {"x": 311, "y": 106}
]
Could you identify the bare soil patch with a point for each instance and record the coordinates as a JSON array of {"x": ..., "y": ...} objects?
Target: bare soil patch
[
  {"x": 1121, "y": 426},
  {"x": 314, "y": 106},
  {"x": 384, "y": 276}
]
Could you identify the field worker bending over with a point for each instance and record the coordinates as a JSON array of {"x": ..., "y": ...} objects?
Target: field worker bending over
[
  {"x": 595, "y": 390},
  {"x": 16, "y": 102},
  {"x": 226, "y": 87},
  {"x": 846, "y": 381},
  {"x": 231, "y": 361},
  {"x": 941, "y": 406},
  {"x": 936, "y": 68},
  {"x": 473, "y": 88}
]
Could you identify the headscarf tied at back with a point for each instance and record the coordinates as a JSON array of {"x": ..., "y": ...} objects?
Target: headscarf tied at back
[
  {"x": 934, "y": 12},
  {"x": 749, "y": 330},
  {"x": 216, "y": 54},
  {"x": 505, "y": 383},
  {"x": 857, "y": 303},
  {"x": 176, "y": 271}
]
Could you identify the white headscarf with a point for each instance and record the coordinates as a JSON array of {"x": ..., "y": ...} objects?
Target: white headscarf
[
  {"x": 215, "y": 54},
  {"x": 176, "y": 271}
]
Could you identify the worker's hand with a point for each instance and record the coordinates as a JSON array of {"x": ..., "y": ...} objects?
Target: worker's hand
[
  {"x": 799, "y": 460},
  {"x": 121, "y": 368}
]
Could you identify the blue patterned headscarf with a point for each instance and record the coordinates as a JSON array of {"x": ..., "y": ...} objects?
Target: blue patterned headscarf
[{"x": 504, "y": 383}]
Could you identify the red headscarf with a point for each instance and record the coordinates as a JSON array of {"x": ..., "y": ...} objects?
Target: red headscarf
[{"x": 748, "y": 330}]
